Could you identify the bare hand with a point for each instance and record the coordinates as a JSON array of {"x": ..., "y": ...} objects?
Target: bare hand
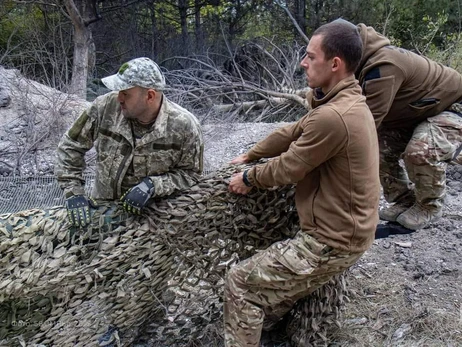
[
  {"x": 242, "y": 159},
  {"x": 237, "y": 185}
]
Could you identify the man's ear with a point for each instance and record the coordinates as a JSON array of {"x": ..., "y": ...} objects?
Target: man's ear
[
  {"x": 336, "y": 63},
  {"x": 151, "y": 94}
]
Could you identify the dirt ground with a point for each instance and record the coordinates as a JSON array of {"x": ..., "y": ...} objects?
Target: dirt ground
[{"x": 408, "y": 287}]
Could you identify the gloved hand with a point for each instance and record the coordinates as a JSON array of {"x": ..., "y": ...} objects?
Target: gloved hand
[
  {"x": 136, "y": 197},
  {"x": 78, "y": 210}
]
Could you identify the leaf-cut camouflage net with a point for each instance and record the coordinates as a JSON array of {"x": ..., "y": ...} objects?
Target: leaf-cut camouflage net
[{"x": 161, "y": 273}]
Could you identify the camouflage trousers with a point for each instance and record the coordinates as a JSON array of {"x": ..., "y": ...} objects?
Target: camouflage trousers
[
  {"x": 268, "y": 284},
  {"x": 416, "y": 160}
]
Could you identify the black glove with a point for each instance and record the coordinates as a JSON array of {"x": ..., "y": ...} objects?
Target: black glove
[
  {"x": 137, "y": 197},
  {"x": 78, "y": 210}
]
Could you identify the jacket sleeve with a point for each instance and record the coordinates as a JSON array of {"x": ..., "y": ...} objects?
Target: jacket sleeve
[
  {"x": 189, "y": 168},
  {"x": 71, "y": 151},
  {"x": 275, "y": 143},
  {"x": 380, "y": 85},
  {"x": 323, "y": 136}
]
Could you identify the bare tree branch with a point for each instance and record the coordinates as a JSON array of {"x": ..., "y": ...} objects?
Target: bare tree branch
[
  {"x": 262, "y": 87},
  {"x": 294, "y": 22}
]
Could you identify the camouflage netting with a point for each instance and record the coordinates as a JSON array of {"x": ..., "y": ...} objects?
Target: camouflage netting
[{"x": 161, "y": 273}]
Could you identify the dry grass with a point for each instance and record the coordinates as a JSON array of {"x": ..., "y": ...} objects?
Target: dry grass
[{"x": 381, "y": 313}]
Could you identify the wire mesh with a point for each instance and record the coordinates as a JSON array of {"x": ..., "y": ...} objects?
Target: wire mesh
[{"x": 23, "y": 193}]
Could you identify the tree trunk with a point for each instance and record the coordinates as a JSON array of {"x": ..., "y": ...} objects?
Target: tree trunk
[
  {"x": 316, "y": 13},
  {"x": 154, "y": 32},
  {"x": 183, "y": 12},
  {"x": 80, "y": 63},
  {"x": 198, "y": 27},
  {"x": 82, "y": 45},
  {"x": 300, "y": 14}
]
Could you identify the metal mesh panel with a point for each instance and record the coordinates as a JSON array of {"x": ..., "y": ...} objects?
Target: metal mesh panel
[{"x": 22, "y": 193}]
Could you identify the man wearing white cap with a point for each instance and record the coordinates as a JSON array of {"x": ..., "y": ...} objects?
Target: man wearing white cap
[{"x": 147, "y": 146}]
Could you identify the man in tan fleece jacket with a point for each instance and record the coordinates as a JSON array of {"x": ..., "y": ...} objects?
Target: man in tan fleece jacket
[
  {"x": 417, "y": 110},
  {"x": 331, "y": 154}
]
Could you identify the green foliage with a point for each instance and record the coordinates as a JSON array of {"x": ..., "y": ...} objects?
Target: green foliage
[
  {"x": 38, "y": 37},
  {"x": 14, "y": 28},
  {"x": 270, "y": 22},
  {"x": 448, "y": 52},
  {"x": 32, "y": 39},
  {"x": 415, "y": 25}
]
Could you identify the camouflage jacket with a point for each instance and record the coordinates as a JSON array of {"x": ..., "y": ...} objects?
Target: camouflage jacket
[{"x": 171, "y": 154}]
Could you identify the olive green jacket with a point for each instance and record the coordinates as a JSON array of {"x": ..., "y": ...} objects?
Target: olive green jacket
[
  {"x": 403, "y": 88},
  {"x": 171, "y": 154}
]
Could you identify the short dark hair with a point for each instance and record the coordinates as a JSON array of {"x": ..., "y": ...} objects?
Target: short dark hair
[{"x": 341, "y": 38}]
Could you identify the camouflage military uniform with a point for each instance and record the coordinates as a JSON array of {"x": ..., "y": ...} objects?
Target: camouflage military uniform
[
  {"x": 426, "y": 152},
  {"x": 170, "y": 153},
  {"x": 269, "y": 283},
  {"x": 415, "y": 103}
]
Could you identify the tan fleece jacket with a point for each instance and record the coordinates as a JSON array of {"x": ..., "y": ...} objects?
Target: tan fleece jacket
[
  {"x": 403, "y": 88},
  {"x": 332, "y": 156}
]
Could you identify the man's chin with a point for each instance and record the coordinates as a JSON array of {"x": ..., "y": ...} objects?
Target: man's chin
[{"x": 313, "y": 85}]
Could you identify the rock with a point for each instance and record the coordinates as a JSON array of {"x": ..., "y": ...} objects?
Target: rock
[
  {"x": 5, "y": 98},
  {"x": 386, "y": 244},
  {"x": 356, "y": 321},
  {"x": 401, "y": 332},
  {"x": 5, "y": 169},
  {"x": 450, "y": 226},
  {"x": 457, "y": 176},
  {"x": 409, "y": 267},
  {"x": 404, "y": 244},
  {"x": 425, "y": 268}
]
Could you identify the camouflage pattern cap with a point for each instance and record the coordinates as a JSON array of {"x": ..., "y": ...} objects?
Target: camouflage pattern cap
[{"x": 142, "y": 72}]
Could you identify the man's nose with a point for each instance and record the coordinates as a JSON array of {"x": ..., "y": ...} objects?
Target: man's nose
[{"x": 120, "y": 97}]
